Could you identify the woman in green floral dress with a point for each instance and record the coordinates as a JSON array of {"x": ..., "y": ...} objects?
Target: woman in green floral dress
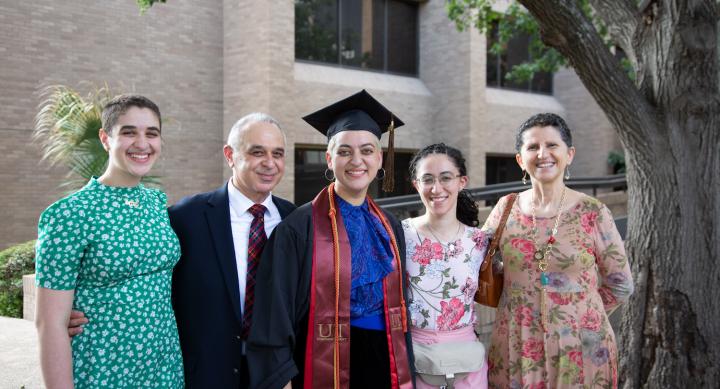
[
  {"x": 108, "y": 250},
  {"x": 565, "y": 270}
]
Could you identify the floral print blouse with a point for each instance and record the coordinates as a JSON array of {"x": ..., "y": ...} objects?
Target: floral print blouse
[{"x": 443, "y": 277}]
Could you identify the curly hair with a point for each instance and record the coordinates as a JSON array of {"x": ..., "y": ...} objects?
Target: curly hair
[
  {"x": 544, "y": 120},
  {"x": 467, "y": 209}
]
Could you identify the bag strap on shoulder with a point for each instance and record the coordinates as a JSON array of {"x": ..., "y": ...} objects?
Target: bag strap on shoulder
[{"x": 495, "y": 242}]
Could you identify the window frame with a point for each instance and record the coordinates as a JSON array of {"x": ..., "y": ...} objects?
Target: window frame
[
  {"x": 339, "y": 58},
  {"x": 497, "y": 59}
]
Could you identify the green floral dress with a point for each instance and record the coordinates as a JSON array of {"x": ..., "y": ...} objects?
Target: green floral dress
[
  {"x": 115, "y": 247},
  {"x": 588, "y": 276}
]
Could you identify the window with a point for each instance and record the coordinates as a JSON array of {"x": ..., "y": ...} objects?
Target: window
[
  {"x": 310, "y": 168},
  {"x": 501, "y": 168},
  {"x": 516, "y": 52},
  {"x": 367, "y": 34}
]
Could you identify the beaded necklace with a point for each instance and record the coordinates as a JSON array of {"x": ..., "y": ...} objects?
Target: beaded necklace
[{"x": 541, "y": 254}]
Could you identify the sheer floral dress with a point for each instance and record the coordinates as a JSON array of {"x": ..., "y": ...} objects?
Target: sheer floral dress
[{"x": 589, "y": 276}]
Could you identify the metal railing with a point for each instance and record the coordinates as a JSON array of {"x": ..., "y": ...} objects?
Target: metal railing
[{"x": 405, "y": 205}]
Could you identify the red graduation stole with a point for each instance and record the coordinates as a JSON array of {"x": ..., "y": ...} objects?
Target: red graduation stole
[{"x": 327, "y": 354}]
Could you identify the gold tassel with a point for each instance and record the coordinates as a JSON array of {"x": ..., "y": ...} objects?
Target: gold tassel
[{"x": 389, "y": 180}]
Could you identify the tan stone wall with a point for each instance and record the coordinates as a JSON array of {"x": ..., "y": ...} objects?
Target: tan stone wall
[
  {"x": 172, "y": 54},
  {"x": 446, "y": 68},
  {"x": 593, "y": 136},
  {"x": 209, "y": 62}
]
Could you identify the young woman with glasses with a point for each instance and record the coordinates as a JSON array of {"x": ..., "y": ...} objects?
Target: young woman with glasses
[{"x": 445, "y": 248}]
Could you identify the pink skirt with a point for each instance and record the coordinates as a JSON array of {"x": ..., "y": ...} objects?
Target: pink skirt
[{"x": 475, "y": 380}]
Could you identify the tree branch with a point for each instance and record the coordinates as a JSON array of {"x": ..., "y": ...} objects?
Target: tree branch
[
  {"x": 621, "y": 19},
  {"x": 564, "y": 27}
]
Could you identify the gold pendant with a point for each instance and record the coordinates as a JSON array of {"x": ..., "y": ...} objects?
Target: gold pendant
[
  {"x": 539, "y": 255},
  {"x": 542, "y": 266}
]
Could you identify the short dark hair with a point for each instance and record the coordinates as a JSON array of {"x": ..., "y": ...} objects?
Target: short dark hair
[
  {"x": 466, "y": 209},
  {"x": 120, "y": 104},
  {"x": 544, "y": 120}
]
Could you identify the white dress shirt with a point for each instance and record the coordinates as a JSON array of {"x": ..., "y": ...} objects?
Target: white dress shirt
[{"x": 240, "y": 220}]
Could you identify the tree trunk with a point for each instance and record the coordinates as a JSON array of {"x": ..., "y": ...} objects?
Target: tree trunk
[{"x": 669, "y": 124}]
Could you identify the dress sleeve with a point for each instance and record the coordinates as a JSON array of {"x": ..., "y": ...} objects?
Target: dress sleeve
[
  {"x": 616, "y": 281},
  {"x": 60, "y": 246}
]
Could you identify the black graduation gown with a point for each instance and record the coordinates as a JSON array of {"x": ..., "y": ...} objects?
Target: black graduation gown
[{"x": 276, "y": 347}]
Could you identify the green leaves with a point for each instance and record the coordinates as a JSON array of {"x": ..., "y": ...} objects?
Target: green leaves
[
  {"x": 452, "y": 284},
  {"x": 502, "y": 22},
  {"x": 15, "y": 261},
  {"x": 146, "y": 4},
  {"x": 503, "y": 25}
]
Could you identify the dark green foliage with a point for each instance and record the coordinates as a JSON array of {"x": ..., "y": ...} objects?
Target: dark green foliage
[
  {"x": 15, "y": 262},
  {"x": 515, "y": 19},
  {"x": 315, "y": 40},
  {"x": 616, "y": 160},
  {"x": 146, "y": 4}
]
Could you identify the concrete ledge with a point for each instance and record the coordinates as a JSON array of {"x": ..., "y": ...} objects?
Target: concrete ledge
[
  {"x": 512, "y": 98},
  {"x": 357, "y": 78},
  {"x": 29, "y": 297}
]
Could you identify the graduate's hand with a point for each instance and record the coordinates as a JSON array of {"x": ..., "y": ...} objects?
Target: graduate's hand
[
  {"x": 288, "y": 386},
  {"x": 77, "y": 319}
]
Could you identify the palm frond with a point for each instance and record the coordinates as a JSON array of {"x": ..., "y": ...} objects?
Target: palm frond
[{"x": 66, "y": 128}]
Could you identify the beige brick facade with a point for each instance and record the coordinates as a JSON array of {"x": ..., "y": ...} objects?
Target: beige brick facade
[{"x": 209, "y": 62}]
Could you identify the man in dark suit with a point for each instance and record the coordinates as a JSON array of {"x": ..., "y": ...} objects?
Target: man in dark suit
[{"x": 209, "y": 290}]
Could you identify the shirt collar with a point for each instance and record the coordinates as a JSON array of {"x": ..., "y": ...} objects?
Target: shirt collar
[{"x": 240, "y": 203}]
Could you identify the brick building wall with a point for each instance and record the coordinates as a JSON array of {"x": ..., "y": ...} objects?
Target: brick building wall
[
  {"x": 173, "y": 54},
  {"x": 209, "y": 62}
]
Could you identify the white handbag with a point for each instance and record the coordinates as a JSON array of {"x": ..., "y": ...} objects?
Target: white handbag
[{"x": 441, "y": 364}]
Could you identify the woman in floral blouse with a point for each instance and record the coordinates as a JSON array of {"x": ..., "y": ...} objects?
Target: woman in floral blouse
[
  {"x": 445, "y": 248},
  {"x": 565, "y": 271}
]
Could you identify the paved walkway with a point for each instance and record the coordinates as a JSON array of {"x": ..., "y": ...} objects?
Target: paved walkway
[{"x": 19, "y": 365}]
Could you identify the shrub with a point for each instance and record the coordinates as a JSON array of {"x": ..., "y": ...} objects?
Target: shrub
[
  {"x": 14, "y": 263},
  {"x": 616, "y": 160}
]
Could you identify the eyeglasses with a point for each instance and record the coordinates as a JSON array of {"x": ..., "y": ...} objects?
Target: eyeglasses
[{"x": 444, "y": 180}]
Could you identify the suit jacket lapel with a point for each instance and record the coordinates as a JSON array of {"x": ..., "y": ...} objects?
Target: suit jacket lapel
[
  {"x": 283, "y": 207},
  {"x": 218, "y": 219}
]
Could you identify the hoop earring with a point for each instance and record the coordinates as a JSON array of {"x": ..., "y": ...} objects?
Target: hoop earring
[
  {"x": 332, "y": 175},
  {"x": 567, "y": 172},
  {"x": 378, "y": 176},
  {"x": 524, "y": 177}
]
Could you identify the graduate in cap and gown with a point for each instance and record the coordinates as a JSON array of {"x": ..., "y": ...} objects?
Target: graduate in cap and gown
[{"x": 329, "y": 303}]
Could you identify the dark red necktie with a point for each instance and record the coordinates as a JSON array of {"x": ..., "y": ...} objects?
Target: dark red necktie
[{"x": 256, "y": 242}]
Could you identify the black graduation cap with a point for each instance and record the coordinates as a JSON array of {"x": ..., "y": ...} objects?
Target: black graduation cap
[{"x": 359, "y": 112}]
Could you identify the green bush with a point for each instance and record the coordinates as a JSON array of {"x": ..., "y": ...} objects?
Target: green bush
[
  {"x": 15, "y": 262},
  {"x": 616, "y": 160}
]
